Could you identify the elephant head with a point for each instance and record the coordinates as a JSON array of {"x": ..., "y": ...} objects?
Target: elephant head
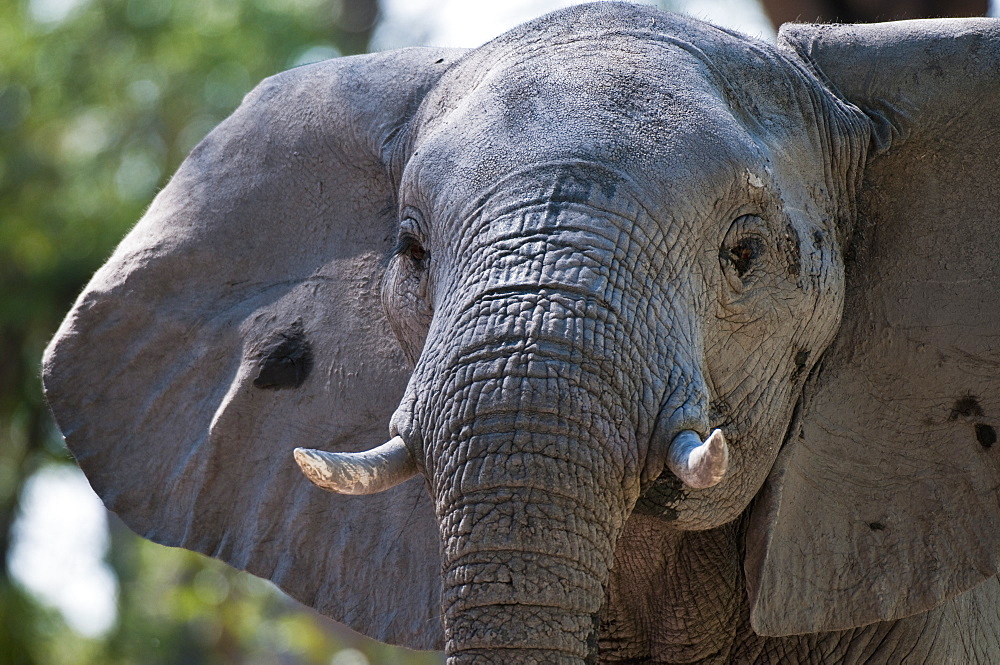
[{"x": 547, "y": 270}]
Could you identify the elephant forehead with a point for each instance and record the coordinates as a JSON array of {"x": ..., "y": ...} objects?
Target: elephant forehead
[
  {"x": 668, "y": 135},
  {"x": 590, "y": 100},
  {"x": 691, "y": 115}
]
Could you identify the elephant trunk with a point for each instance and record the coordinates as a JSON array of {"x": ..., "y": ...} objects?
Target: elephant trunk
[
  {"x": 522, "y": 606},
  {"x": 528, "y": 540},
  {"x": 533, "y": 471}
]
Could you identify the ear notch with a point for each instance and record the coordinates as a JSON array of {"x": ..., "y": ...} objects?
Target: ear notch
[
  {"x": 884, "y": 502},
  {"x": 240, "y": 319}
]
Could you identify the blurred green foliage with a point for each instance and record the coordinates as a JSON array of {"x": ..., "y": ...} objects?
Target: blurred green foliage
[{"x": 100, "y": 100}]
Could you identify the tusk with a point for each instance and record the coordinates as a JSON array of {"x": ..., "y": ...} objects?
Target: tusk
[
  {"x": 699, "y": 464},
  {"x": 368, "y": 472}
]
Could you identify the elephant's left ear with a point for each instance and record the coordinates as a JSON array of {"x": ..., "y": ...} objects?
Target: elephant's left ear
[{"x": 884, "y": 502}]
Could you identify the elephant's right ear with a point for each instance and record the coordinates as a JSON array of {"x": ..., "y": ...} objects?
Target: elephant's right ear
[
  {"x": 885, "y": 501},
  {"x": 241, "y": 318}
]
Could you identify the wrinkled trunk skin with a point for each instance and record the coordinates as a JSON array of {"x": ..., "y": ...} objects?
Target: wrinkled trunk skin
[
  {"x": 532, "y": 483},
  {"x": 528, "y": 522}
]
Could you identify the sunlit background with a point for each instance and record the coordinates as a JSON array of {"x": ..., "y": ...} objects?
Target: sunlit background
[{"x": 100, "y": 100}]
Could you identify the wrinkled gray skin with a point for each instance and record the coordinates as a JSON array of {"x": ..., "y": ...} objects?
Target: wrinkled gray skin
[{"x": 598, "y": 230}]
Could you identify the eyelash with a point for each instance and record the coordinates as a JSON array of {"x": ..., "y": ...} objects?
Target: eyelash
[{"x": 408, "y": 245}]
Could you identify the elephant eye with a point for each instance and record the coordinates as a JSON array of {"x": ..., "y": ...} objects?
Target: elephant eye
[
  {"x": 743, "y": 253},
  {"x": 409, "y": 246},
  {"x": 416, "y": 252},
  {"x": 742, "y": 250}
]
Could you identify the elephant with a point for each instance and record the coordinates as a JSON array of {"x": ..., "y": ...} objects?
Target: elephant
[{"x": 683, "y": 345}]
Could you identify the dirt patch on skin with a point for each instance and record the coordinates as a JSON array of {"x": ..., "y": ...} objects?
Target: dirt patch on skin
[
  {"x": 794, "y": 253},
  {"x": 966, "y": 406}
]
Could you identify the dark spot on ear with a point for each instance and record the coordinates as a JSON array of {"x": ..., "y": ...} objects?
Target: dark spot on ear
[
  {"x": 817, "y": 239},
  {"x": 985, "y": 435},
  {"x": 966, "y": 406},
  {"x": 801, "y": 358},
  {"x": 284, "y": 360},
  {"x": 439, "y": 61},
  {"x": 876, "y": 526}
]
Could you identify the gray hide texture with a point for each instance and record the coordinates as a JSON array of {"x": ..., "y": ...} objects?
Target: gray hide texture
[
  {"x": 884, "y": 502},
  {"x": 241, "y": 318}
]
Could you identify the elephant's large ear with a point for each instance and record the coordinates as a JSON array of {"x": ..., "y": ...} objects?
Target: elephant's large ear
[
  {"x": 884, "y": 502},
  {"x": 241, "y": 318}
]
